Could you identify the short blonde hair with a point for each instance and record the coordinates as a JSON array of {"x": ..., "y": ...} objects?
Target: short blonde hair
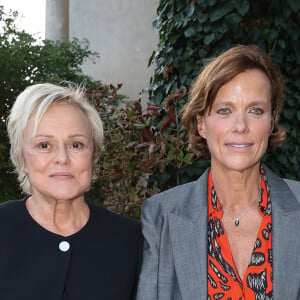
[
  {"x": 37, "y": 99},
  {"x": 217, "y": 73}
]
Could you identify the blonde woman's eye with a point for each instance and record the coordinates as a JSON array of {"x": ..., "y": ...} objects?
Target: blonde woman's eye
[
  {"x": 223, "y": 111},
  {"x": 77, "y": 145},
  {"x": 257, "y": 111},
  {"x": 44, "y": 146}
]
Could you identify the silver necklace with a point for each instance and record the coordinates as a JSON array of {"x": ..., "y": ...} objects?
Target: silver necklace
[{"x": 237, "y": 219}]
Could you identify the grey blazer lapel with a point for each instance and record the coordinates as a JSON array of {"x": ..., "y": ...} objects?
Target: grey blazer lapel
[
  {"x": 190, "y": 255},
  {"x": 188, "y": 234},
  {"x": 285, "y": 241}
]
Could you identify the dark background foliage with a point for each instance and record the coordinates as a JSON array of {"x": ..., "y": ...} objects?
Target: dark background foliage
[{"x": 190, "y": 31}]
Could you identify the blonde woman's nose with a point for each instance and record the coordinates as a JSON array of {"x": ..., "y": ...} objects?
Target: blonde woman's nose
[{"x": 62, "y": 154}]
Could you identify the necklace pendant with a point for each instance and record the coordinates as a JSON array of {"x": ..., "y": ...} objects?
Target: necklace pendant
[{"x": 236, "y": 222}]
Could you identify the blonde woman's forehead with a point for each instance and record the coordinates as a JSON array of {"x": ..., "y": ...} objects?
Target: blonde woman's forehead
[{"x": 60, "y": 119}]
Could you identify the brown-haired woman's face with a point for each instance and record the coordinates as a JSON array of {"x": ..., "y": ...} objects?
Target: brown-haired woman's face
[{"x": 240, "y": 122}]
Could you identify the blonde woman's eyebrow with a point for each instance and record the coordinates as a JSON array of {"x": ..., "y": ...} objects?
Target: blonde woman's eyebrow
[
  {"x": 78, "y": 135},
  {"x": 49, "y": 136},
  {"x": 52, "y": 136}
]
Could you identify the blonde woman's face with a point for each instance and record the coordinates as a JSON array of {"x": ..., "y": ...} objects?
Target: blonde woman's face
[
  {"x": 58, "y": 158},
  {"x": 240, "y": 122}
]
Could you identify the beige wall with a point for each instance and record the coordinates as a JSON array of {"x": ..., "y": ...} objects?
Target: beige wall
[
  {"x": 120, "y": 31},
  {"x": 57, "y": 20}
]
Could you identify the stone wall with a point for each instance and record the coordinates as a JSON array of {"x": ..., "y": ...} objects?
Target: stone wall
[{"x": 120, "y": 31}]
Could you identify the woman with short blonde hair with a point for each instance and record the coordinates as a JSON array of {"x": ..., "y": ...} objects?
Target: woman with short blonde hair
[{"x": 55, "y": 245}]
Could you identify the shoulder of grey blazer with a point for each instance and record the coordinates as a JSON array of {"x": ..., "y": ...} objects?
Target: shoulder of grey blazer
[{"x": 295, "y": 187}]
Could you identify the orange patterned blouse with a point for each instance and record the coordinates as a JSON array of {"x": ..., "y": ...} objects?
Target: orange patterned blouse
[{"x": 223, "y": 281}]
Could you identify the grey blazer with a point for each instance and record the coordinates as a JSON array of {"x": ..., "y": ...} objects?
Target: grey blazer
[{"x": 175, "y": 248}]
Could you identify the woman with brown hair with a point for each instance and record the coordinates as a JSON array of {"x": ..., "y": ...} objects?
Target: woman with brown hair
[{"x": 233, "y": 233}]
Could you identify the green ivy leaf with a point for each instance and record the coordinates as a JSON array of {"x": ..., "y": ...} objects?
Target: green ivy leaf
[
  {"x": 211, "y": 2},
  {"x": 191, "y": 10},
  {"x": 178, "y": 18},
  {"x": 242, "y": 6},
  {"x": 209, "y": 38},
  {"x": 202, "y": 18},
  {"x": 155, "y": 24},
  {"x": 294, "y": 4},
  {"x": 219, "y": 13},
  {"x": 282, "y": 158},
  {"x": 289, "y": 113},
  {"x": 189, "y": 32},
  {"x": 282, "y": 44}
]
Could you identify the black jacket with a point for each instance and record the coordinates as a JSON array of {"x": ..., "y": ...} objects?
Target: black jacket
[{"x": 102, "y": 261}]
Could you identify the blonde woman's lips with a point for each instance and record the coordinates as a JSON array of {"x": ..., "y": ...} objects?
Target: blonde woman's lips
[{"x": 62, "y": 175}]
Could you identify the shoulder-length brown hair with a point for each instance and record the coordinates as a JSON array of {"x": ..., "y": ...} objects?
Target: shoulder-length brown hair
[{"x": 218, "y": 72}]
